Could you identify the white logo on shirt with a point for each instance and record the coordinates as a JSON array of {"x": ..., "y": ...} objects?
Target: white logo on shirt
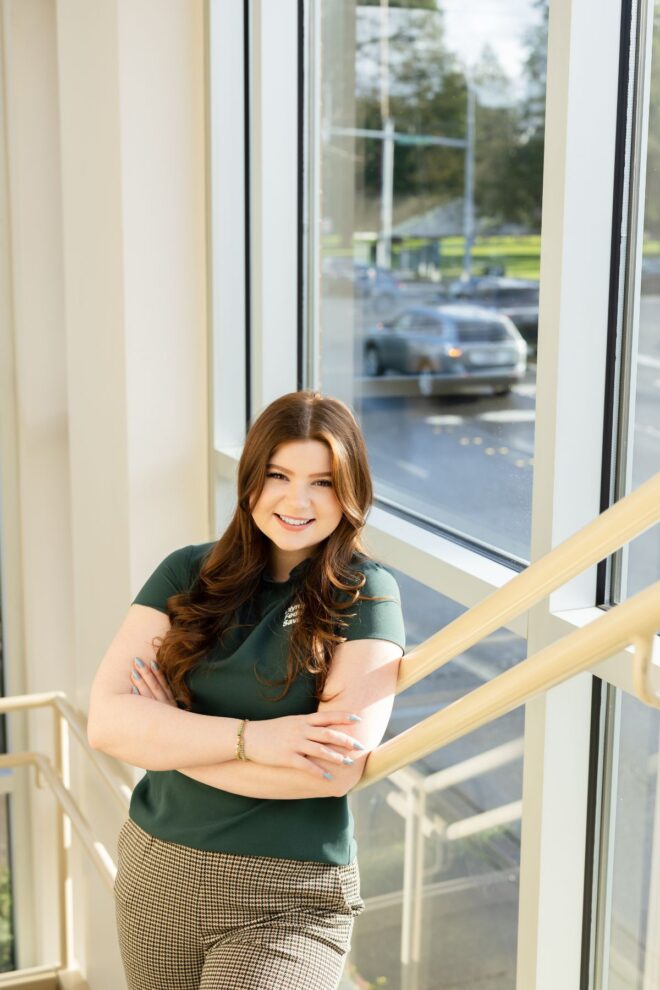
[{"x": 292, "y": 614}]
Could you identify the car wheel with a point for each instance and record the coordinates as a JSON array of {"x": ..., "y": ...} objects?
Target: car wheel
[
  {"x": 372, "y": 363},
  {"x": 502, "y": 390}
]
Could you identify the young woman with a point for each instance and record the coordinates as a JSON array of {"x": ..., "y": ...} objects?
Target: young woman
[{"x": 251, "y": 678}]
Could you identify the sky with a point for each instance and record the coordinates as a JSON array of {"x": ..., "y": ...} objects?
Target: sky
[{"x": 469, "y": 24}]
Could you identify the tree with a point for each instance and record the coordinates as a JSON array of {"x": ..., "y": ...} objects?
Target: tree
[{"x": 426, "y": 93}]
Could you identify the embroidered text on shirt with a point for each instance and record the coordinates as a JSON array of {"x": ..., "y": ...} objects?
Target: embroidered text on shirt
[{"x": 292, "y": 614}]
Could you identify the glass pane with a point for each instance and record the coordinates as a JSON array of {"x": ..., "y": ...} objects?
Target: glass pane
[
  {"x": 633, "y": 961},
  {"x": 425, "y": 154},
  {"x": 457, "y": 914},
  {"x": 7, "y": 942},
  {"x": 7, "y": 961},
  {"x": 644, "y": 552}
]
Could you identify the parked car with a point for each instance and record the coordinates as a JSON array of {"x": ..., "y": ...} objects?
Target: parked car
[
  {"x": 344, "y": 275},
  {"x": 448, "y": 347},
  {"x": 516, "y": 298}
]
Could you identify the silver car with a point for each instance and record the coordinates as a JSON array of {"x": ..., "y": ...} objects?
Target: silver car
[{"x": 448, "y": 347}]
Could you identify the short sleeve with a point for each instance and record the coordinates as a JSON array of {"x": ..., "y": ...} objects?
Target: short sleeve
[
  {"x": 171, "y": 577},
  {"x": 376, "y": 620}
]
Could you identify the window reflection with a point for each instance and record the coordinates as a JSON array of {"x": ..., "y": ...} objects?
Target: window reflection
[
  {"x": 634, "y": 936},
  {"x": 439, "y": 841},
  {"x": 644, "y": 552},
  {"x": 426, "y": 213}
]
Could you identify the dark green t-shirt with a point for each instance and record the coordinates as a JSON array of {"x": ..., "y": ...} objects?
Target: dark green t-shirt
[{"x": 174, "y": 807}]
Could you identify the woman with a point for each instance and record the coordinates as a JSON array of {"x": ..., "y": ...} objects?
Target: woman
[{"x": 250, "y": 678}]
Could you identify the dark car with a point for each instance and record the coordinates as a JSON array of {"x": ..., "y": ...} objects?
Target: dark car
[
  {"x": 448, "y": 347},
  {"x": 517, "y": 298}
]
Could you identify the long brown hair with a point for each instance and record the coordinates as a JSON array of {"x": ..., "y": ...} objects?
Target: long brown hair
[{"x": 231, "y": 572}]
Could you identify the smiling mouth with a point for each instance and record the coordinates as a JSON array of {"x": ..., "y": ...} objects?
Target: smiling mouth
[{"x": 292, "y": 526}]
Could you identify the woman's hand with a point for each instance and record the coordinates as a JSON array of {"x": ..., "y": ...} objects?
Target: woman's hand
[
  {"x": 295, "y": 740},
  {"x": 289, "y": 741},
  {"x": 149, "y": 681}
]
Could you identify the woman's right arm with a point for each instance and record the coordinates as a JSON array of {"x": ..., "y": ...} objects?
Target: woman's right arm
[
  {"x": 141, "y": 731},
  {"x": 147, "y": 733}
]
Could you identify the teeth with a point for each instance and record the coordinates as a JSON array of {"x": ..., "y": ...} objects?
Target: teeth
[{"x": 294, "y": 522}]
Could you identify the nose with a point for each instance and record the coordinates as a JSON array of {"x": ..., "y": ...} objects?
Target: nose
[{"x": 299, "y": 496}]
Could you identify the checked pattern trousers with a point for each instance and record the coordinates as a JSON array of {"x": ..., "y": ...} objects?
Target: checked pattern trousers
[{"x": 189, "y": 919}]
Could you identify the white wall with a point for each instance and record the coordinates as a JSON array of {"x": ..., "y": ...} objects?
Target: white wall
[{"x": 105, "y": 437}]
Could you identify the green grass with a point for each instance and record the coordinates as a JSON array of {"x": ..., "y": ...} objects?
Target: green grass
[{"x": 518, "y": 256}]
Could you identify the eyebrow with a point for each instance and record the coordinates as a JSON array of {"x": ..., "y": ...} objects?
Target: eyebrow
[{"x": 321, "y": 474}]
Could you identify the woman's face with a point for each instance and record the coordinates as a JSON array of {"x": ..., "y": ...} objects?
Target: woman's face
[{"x": 297, "y": 508}]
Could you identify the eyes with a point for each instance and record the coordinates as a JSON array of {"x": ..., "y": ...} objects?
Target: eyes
[{"x": 324, "y": 482}]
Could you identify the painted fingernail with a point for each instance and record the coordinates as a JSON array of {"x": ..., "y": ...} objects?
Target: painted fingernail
[
  {"x": 328, "y": 776},
  {"x": 138, "y": 661},
  {"x": 355, "y": 718},
  {"x": 136, "y": 673},
  {"x": 348, "y": 760},
  {"x": 357, "y": 744},
  {"x": 154, "y": 665},
  {"x": 135, "y": 690}
]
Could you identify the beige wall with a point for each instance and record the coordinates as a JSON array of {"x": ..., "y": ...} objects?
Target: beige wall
[{"x": 105, "y": 437}]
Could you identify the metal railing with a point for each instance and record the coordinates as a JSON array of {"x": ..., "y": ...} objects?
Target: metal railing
[
  {"x": 631, "y": 623},
  {"x": 55, "y": 774}
]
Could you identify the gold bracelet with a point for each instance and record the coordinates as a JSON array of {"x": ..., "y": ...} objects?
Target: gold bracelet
[{"x": 240, "y": 741}]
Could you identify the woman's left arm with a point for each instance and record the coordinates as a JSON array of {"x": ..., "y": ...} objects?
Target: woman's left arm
[{"x": 362, "y": 680}]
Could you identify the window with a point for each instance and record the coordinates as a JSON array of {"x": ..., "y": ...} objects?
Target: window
[
  {"x": 458, "y": 812},
  {"x": 639, "y": 442},
  {"x": 424, "y": 153}
]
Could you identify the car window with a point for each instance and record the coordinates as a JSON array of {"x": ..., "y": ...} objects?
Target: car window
[
  {"x": 485, "y": 293},
  {"x": 430, "y": 323},
  {"x": 480, "y": 331},
  {"x": 517, "y": 297},
  {"x": 405, "y": 321}
]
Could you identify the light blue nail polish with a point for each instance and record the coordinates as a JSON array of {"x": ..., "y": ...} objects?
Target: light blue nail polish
[
  {"x": 155, "y": 665},
  {"x": 135, "y": 690},
  {"x": 348, "y": 760},
  {"x": 355, "y": 718},
  {"x": 138, "y": 661},
  {"x": 136, "y": 673},
  {"x": 328, "y": 776},
  {"x": 357, "y": 744}
]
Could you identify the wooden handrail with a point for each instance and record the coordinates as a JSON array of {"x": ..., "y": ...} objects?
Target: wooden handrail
[
  {"x": 626, "y": 519},
  {"x": 633, "y": 622}
]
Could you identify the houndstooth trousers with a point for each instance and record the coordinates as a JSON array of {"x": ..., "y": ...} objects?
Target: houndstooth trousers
[{"x": 188, "y": 919}]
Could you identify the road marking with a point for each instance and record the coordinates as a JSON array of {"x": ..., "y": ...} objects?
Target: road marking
[
  {"x": 647, "y": 361},
  {"x": 448, "y": 420},
  {"x": 415, "y": 469},
  {"x": 508, "y": 416},
  {"x": 494, "y": 416},
  {"x": 484, "y": 671}
]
